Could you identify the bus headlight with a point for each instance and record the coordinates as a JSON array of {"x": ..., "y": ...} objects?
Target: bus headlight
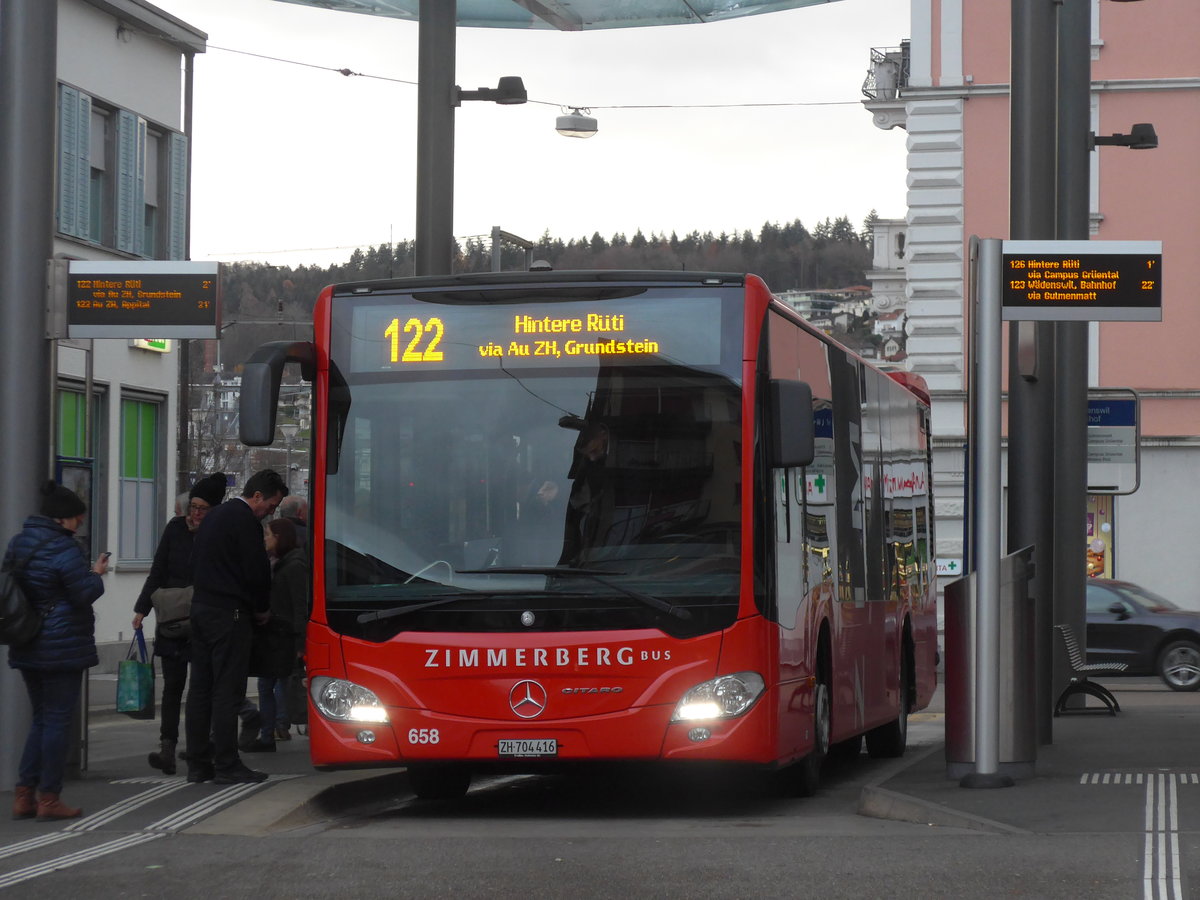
[
  {"x": 345, "y": 701},
  {"x": 726, "y": 697}
]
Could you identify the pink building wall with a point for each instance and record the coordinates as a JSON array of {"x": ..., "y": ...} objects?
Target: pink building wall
[{"x": 1143, "y": 195}]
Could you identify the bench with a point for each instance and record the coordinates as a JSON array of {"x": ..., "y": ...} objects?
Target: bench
[{"x": 1079, "y": 683}]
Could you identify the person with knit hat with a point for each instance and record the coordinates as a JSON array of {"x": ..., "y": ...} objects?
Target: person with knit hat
[
  {"x": 58, "y": 579},
  {"x": 172, "y": 568}
]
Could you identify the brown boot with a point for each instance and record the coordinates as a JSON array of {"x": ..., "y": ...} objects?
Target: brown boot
[
  {"x": 49, "y": 808},
  {"x": 24, "y": 804}
]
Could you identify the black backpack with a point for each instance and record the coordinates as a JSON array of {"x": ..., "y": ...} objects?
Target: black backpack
[{"x": 20, "y": 620}]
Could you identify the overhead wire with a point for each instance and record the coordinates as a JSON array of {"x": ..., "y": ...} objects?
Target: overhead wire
[
  {"x": 350, "y": 73},
  {"x": 347, "y": 72}
]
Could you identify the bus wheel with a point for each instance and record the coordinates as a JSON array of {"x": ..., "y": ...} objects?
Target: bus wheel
[
  {"x": 889, "y": 741},
  {"x": 804, "y": 777},
  {"x": 439, "y": 782}
]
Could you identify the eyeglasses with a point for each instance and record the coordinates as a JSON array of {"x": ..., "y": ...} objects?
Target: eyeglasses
[{"x": 199, "y": 507}]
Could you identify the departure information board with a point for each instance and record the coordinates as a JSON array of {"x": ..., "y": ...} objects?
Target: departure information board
[
  {"x": 1091, "y": 281},
  {"x": 154, "y": 299}
]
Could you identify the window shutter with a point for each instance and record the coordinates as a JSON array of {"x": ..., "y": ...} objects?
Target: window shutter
[
  {"x": 74, "y": 161},
  {"x": 131, "y": 177},
  {"x": 177, "y": 210}
]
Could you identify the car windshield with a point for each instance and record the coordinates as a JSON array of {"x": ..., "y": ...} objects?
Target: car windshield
[{"x": 1150, "y": 599}]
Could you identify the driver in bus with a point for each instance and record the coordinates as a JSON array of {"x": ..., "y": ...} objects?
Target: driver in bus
[{"x": 583, "y": 506}]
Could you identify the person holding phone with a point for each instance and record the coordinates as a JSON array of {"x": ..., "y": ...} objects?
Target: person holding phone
[{"x": 58, "y": 579}]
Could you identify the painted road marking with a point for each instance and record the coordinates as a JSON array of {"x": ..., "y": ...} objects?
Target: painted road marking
[
  {"x": 161, "y": 787},
  {"x": 1162, "y": 865},
  {"x": 74, "y": 859}
]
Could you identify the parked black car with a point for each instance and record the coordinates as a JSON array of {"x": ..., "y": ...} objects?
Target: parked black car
[{"x": 1153, "y": 636}]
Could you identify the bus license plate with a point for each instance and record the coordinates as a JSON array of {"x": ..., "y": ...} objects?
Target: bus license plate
[{"x": 522, "y": 747}]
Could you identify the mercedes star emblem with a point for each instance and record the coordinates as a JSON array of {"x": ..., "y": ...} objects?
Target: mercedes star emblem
[{"x": 527, "y": 699}]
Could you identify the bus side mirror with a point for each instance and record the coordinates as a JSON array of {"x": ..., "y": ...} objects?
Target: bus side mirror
[
  {"x": 258, "y": 399},
  {"x": 793, "y": 437}
]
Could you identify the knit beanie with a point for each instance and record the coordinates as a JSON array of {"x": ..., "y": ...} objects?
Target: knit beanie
[
  {"x": 60, "y": 502},
  {"x": 210, "y": 489}
]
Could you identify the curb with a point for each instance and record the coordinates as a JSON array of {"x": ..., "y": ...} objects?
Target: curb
[
  {"x": 300, "y": 802},
  {"x": 878, "y": 802}
]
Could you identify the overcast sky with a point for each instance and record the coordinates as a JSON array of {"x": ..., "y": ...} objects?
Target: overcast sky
[{"x": 295, "y": 163}]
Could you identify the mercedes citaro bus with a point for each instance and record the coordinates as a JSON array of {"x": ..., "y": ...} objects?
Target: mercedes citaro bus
[{"x": 561, "y": 518}]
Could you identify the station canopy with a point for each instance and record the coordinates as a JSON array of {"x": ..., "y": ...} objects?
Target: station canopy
[{"x": 572, "y": 15}]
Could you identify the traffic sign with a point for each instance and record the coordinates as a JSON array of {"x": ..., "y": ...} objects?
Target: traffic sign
[{"x": 1113, "y": 455}]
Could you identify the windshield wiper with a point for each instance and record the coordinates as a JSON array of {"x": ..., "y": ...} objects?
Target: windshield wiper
[
  {"x": 395, "y": 611},
  {"x": 595, "y": 575}
]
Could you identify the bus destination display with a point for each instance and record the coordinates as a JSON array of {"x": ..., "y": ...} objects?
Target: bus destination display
[
  {"x": 1118, "y": 281},
  {"x": 421, "y": 336},
  {"x": 154, "y": 299}
]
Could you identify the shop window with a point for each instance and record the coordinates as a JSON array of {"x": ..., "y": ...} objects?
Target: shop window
[{"x": 1100, "y": 535}]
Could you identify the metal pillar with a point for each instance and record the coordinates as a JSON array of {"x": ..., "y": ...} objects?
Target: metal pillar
[
  {"x": 28, "y": 57},
  {"x": 987, "y": 560},
  {"x": 1031, "y": 345},
  {"x": 1071, "y": 338},
  {"x": 435, "y": 137}
]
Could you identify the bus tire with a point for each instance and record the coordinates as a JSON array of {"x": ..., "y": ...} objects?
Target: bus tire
[
  {"x": 889, "y": 741},
  {"x": 803, "y": 779},
  {"x": 439, "y": 782}
]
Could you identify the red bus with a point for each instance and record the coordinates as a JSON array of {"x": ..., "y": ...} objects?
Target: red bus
[{"x": 571, "y": 517}]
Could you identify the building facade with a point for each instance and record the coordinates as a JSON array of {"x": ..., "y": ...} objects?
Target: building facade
[
  {"x": 122, "y": 184},
  {"x": 948, "y": 87}
]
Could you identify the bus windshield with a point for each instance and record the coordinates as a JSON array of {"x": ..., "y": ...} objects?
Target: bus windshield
[{"x": 480, "y": 487}]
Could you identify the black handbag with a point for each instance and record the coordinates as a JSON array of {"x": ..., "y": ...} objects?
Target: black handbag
[
  {"x": 20, "y": 618},
  {"x": 272, "y": 650},
  {"x": 173, "y": 609}
]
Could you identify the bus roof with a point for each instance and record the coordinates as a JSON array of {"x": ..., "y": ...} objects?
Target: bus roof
[{"x": 541, "y": 278}]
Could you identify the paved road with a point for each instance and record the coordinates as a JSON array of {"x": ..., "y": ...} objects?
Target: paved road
[{"x": 616, "y": 835}]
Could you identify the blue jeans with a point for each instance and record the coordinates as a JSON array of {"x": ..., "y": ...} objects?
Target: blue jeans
[
  {"x": 54, "y": 696},
  {"x": 272, "y": 703}
]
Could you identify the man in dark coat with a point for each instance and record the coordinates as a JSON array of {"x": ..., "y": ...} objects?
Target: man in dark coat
[
  {"x": 57, "y": 578},
  {"x": 231, "y": 591}
]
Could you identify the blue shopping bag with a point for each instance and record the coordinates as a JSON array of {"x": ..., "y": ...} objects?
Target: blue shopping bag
[{"x": 135, "y": 681}]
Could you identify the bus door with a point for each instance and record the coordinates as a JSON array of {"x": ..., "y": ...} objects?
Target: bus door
[
  {"x": 852, "y": 669},
  {"x": 880, "y": 668}
]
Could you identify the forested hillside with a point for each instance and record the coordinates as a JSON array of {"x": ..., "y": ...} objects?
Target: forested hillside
[{"x": 788, "y": 257}]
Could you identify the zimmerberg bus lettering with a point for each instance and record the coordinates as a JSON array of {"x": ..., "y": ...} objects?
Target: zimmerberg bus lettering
[{"x": 538, "y": 657}]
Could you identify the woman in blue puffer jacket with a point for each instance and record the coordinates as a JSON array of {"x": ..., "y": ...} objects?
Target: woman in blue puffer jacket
[{"x": 56, "y": 577}]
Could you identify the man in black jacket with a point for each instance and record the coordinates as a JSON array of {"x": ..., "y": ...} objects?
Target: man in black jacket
[{"x": 232, "y": 591}]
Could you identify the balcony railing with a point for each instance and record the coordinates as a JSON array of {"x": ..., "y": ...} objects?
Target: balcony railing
[{"x": 887, "y": 75}]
